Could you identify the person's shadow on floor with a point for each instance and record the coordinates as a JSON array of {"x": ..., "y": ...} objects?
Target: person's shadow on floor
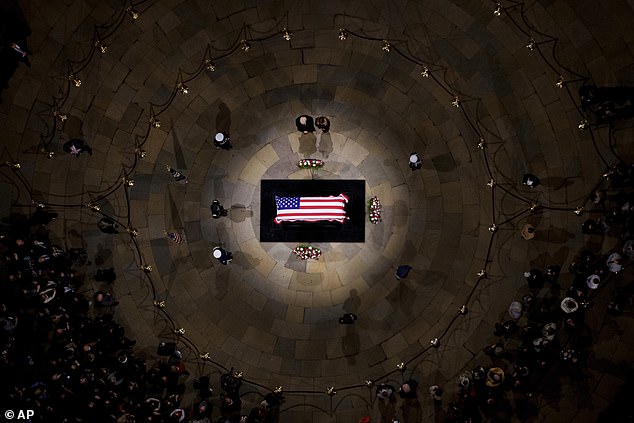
[
  {"x": 325, "y": 144},
  {"x": 307, "y": 144}
]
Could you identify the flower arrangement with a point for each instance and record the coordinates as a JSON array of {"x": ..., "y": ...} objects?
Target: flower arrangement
[
  {"x": 310, "y": 164},
  {"x": 307, "y": 252},
  {"x": 375, "y": 209}
]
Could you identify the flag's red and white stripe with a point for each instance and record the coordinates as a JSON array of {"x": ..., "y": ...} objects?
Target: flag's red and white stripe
[
  {"x": 175, "y": 237},
  {"x": 311, "y": 209}
]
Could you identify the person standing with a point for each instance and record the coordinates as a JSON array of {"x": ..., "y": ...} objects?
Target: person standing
[
  {"x": 222, "y": 255},
  {"x": 217, "y": 211},
  {"x": 222, "y": 141},
  {"x": 76, "y": 146},
  {"x": 386, "y": 399},
  {"x": 323, "y": 123},
  {"x": 21, "y": 52},
  {"x": 178, "y": 176},
  {"x": 305, "y": 124},
  {"x": 415, "y": 162},
  {"x": 402, "y": 271},
  {"x": 42, "y": 217},
  {"x": 348, "y": 319},
  {"x": 528, "y": 231},
  {"x": 107, "y": 226},
  {"x": 530, "y": 180}
]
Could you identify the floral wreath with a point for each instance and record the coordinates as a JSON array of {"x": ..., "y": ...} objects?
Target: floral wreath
[
  {"x": 310, "y": 164},
  {"x": 375, "y": 209},
  {"x": 307, "y": 252}
]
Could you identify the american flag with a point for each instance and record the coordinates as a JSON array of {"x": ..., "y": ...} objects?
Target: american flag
[
  {"x": 311, "y": 209},
  {"x": 176, "y": 237}
]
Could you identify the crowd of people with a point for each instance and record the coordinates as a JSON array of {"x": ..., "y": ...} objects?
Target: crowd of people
[
  {"x": 65, "y": 358},
  {"x": 545, "y": 334}
]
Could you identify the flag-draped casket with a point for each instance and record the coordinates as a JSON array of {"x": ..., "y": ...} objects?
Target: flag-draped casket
[{"x": 311, "y": 209}]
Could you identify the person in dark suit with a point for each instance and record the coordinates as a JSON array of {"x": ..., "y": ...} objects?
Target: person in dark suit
[
  {"x": 323, "y": 123},
  {"x": 305, "y": 124},
  {"x": 217, "y": 211},
  {"x": 530, "y": 180},
  {"x": 43, "y": 217},
  {"x": 107, "y": 226},
  {"x": 415, "y": 162},
  {"x": 76, "y": 146},
  {"x": 222, "y": 141},
  {"x": 348, "y": 319},
  {"x": 14, "y": 31},
  {"x": 222, "y": 255}
]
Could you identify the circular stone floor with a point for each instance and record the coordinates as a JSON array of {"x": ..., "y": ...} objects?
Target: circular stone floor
[{"x": 268, "y": 314}]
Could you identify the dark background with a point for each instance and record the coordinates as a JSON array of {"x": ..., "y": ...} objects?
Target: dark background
[
  {"x": 352, "y": 230},
  {"x": 13, "y": 29}
]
